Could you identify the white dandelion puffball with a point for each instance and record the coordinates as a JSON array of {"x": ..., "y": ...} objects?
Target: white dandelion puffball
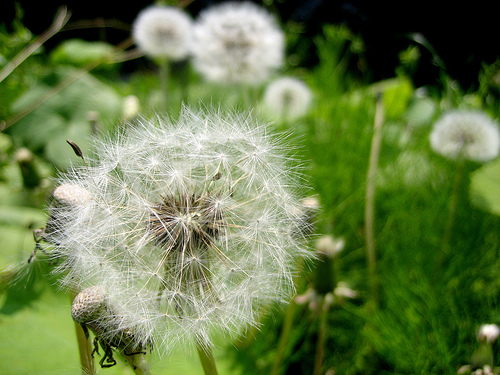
[
  {"x": 163, "y": 31},
  {"x": 192, "y": 226},
  {"x": 289, "y": 97},
  {"x": 237, "y": 43},
  {"x": 488, "y": 333},
  {"x": 467, "y": 134}
]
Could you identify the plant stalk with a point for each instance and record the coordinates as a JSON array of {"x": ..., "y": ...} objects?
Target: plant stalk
[
  {"x": 84, "y": 348},
  {"x": 206, "y": 358},
  {"x": 62, "y": 17},
  {"x": 137, "y": 362},
  {"x": 371, "y": 254},
  {"x": 319, "y": 358},
  {"x": 164, "y": 66}
]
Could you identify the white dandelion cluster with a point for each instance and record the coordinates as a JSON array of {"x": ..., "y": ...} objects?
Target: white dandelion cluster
[
  {"x": 466, "y": 134},
  {"x": 190, "y": 226},
  {"x": 163, "y": 31},
  {"x": 237, "y": 42},
  {"x": 289, "y": 97}
]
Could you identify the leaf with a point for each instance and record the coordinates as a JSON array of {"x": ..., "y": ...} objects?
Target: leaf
[
  {"x": 79, "y": 53},
  {"x": 485, "y": 187}
]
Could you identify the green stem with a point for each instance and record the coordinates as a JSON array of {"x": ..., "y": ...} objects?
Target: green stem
[
  {"x": 138, "y": 363},
  {"x": 452, "y": 211},
  {"x": 285, "y": 334},
  {"x": 164, "y": 79},
  {"x": 206, "y": 358},
  {"x": 84, "y": 348},
  {"x": 319, "y": 358},
  {"x": 371, "y": 255}
]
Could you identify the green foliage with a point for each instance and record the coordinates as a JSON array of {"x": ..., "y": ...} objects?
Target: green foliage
[{"x": 430, "y": 309}]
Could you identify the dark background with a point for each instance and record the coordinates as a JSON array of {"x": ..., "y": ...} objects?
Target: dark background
[{"x": 464, "y": 36}]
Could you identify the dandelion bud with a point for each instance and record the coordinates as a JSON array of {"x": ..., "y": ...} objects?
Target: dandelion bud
[
  {"x": 325, "y": 273},
  {"x": 24, "y": 158},
  {"x": 89, "y": 305},
  {"x": 70, "y": 194},
  {"x": 131, "y": 107}
]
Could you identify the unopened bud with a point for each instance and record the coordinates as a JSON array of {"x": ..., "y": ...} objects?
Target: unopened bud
[
  {"x": 330, "y": 246},
  {"x": 89, "y": 305},
  {"x": 71, "y": 194}
]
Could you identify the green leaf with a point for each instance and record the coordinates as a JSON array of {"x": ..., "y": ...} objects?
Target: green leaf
[
  {"x": 79, "y": 52},
  {"x": 485, "y": 187}
]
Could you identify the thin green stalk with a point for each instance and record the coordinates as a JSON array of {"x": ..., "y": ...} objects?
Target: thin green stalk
[
  {"x": 319, "y": 358},
  {"x": 371, "y": 254},
  {"x": 62, "y": 17},
  {"x": 138, "y": 363},
  {"x": 84, "y": 348},
  {"x": 164, "y": 66},
  {"x": 206, "y": 358},
  {"x": 284, "y": 336},
  {"x": 452, "y": 211}
]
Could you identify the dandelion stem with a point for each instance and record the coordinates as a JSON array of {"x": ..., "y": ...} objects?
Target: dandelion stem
[
  {"x": 84, "y": 348},
  {"x": 319, "y": 358},
  {"x": 285, "y": 334},
  {"x": 137, "y": 362},
  {"x": 164, "y": 65},
  {"x": 452, "y": 211},
  {"x": 370, "y": 199},
  {"x": 206, "y": 358}
]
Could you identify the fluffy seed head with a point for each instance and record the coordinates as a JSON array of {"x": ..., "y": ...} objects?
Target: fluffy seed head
[
  {"x": 288, "y": 97},
  {"x": 237, "y": 43},
  {"x": 163, "y": 31},
  {"x": 471, "y": 135},
  {"x": 191, "y": 227},
  {"x": 488, "y": 333}
]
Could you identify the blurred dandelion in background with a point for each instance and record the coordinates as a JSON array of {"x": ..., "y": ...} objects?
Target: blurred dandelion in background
[
  {"x": 466, "y": 134},
  {"x": 163, "y": 31},
  {"x": 239, "y": 43},
  {"x": 190, "y": 226},
  {"x": 288, "y": 97}
]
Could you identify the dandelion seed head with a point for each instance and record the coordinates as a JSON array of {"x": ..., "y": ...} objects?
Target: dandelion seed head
[
  {"x": 288, "y": 97},
  {"x": 488, "y": 333},
  {"x": 237, "y": 42},
  {"x": 163, "y": 31},
  {"x": 467, "y": 134},
  {"x": 191, "y": 228}
]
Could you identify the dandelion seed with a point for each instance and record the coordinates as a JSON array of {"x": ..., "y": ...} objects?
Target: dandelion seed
[
  {"x": 163, "y": 31},
  {"x": 288, "y": 97},
  {"x": 471, "y": 135},
  {"x": 237, "y": 43},
  {"x": 191, "y": 226}
]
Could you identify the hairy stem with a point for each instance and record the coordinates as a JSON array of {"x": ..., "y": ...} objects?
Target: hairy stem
[
  {"x": 138, "y": 363},
  {"x": 62, "y": 85},
  {"x": 84, "y": 348},
  {"x": 206, "y": 358},
  {"x": 371, "y": 255},
  {"x": 62, "y": 17}
]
